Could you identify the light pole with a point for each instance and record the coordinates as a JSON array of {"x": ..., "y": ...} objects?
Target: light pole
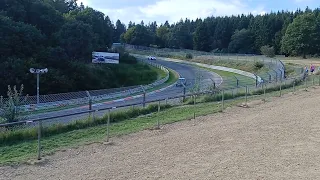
[{"x": 38, "y": 72}]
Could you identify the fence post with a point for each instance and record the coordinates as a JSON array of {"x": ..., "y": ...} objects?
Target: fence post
[
  {"x": 39, "y": 139},
  {"x": 194, "y": 103},
  {"x": 312, "y": 80},
  {"x": 246, "y": 95},
  {"x": 237, "y": 81},
  {"x": 158, "y": 123},
  {"x": 90, "y": 103},
  {"x": 305, "y": 83},
  {"x": 256, "y": 80},
  {"x": 108, "y": 124},
  {"x": 222, "y": 101},
  {"x": 144, "y": 96},
  {"x": 294, "y": 88},
  {"x": 184, "y": 93},
  {"x": 280, "y": 87},
  {"x": 264, "y": 92},
  {"x": 270, "y": 77}
]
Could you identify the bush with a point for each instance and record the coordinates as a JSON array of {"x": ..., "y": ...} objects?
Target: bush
[
  {"x": 189, "y": 56},
  {"x": 258, "y": 65},
  {"x": 268, "y": 51}
]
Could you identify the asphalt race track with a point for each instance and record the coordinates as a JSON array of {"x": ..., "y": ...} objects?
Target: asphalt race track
[{"x": 187, "y": 71}]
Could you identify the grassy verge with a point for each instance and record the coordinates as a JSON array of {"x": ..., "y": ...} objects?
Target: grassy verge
[
  {"x": 161, "y": 74},
  {"x": 24, "y": 150},
  {"x": 229, "y": 78}
]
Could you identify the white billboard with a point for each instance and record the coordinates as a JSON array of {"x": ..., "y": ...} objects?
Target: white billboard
[{"x": 104, "y": 57}]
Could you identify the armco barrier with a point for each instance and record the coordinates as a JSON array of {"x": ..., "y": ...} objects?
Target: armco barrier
[
  {"x": 95, "y": 98},
  {"x": 237, "y": 71}
]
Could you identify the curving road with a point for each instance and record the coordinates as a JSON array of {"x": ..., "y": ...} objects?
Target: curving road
[{"x": 187, "y": 71}]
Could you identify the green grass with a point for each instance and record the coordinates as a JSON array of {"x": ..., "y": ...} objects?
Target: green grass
[
  {"x": 229, "y": 80},
  {"x": 161, "y": 74},
  {"x": 21, "y": 152}
]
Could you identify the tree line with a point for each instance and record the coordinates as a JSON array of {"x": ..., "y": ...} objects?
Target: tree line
[
  {"x": 288, "y": 33},
  {"x": 61, "y": 35}
]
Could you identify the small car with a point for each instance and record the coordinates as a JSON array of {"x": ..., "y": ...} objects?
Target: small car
[
  {"x": 181, "y": 82},
  {"x": 151, "y": 58}
]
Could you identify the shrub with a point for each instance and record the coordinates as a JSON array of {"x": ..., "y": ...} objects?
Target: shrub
[
  {"x": 189, "y": 56},
  {"x": 258, "y": 65},
  {"x": 268, "y": 51}
]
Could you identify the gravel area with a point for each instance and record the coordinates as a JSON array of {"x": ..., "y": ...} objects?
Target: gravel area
[{"x": 273, "y": 140}]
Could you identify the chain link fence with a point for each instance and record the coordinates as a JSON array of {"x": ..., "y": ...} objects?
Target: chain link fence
[
  {"x": 141, "y": 103},
  {"x": 51, "y": 102},
  {"x": 49, "y": 125}
]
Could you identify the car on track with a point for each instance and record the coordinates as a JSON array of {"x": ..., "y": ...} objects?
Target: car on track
[
  {"x": 152, "y": 58},
  {"x": 181, "y": 82}
]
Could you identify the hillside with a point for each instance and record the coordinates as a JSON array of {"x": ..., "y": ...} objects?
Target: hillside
[{"x": 60, "y": 35}]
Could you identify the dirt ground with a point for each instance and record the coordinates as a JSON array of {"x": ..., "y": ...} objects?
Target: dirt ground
[{"x": 276, "y": 140}]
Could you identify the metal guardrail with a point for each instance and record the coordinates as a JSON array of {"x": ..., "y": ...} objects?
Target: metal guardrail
[
  {"x": 61, "y": 100},
  {"x": 275, "y": 66}
]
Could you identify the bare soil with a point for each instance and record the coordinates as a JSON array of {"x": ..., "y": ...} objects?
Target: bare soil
[{"x": 273, "y": 140}]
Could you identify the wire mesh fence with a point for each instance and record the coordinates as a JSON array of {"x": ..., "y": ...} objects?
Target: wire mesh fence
[{"x": 44, "y": 126}]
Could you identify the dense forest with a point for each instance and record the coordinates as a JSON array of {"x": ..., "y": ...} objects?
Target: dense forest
[
  {"x": 289, "y": 33},
  {"x": 60, "y": 35}
]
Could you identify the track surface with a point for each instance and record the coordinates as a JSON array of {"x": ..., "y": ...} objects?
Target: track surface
[
  {"x": 186, "y": 71},
  {"x": 276, "y": 140}
]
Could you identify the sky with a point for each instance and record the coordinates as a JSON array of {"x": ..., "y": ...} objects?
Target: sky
[{"x": 174, "y": 10}]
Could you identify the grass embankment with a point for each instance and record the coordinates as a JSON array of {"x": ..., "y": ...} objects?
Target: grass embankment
[{"x": 21, "y": 151}]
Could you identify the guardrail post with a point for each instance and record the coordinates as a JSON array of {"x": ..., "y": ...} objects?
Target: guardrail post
[
  {"x": 39, "y": 139},
  {"x": 108, "y": 124}
]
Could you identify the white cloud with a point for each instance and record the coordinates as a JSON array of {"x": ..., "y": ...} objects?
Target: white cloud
[{"x": 174, "y": 10}]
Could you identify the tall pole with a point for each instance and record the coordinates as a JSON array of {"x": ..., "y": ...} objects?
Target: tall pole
[
  {"x": 38, "y": 88},
  {"x": 40, "y": 122}
]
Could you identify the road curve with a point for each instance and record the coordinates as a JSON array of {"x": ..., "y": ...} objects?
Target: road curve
[{"x": 187, "y": 71}]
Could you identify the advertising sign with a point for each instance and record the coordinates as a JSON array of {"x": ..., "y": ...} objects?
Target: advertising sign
[{"x": 104, "y": 57}]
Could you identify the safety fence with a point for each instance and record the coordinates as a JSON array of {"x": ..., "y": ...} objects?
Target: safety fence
[
  {"x": 16, "y": 132},
  {"x": 274, "y": 66},
  {"x": 29, "y": 104}
]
